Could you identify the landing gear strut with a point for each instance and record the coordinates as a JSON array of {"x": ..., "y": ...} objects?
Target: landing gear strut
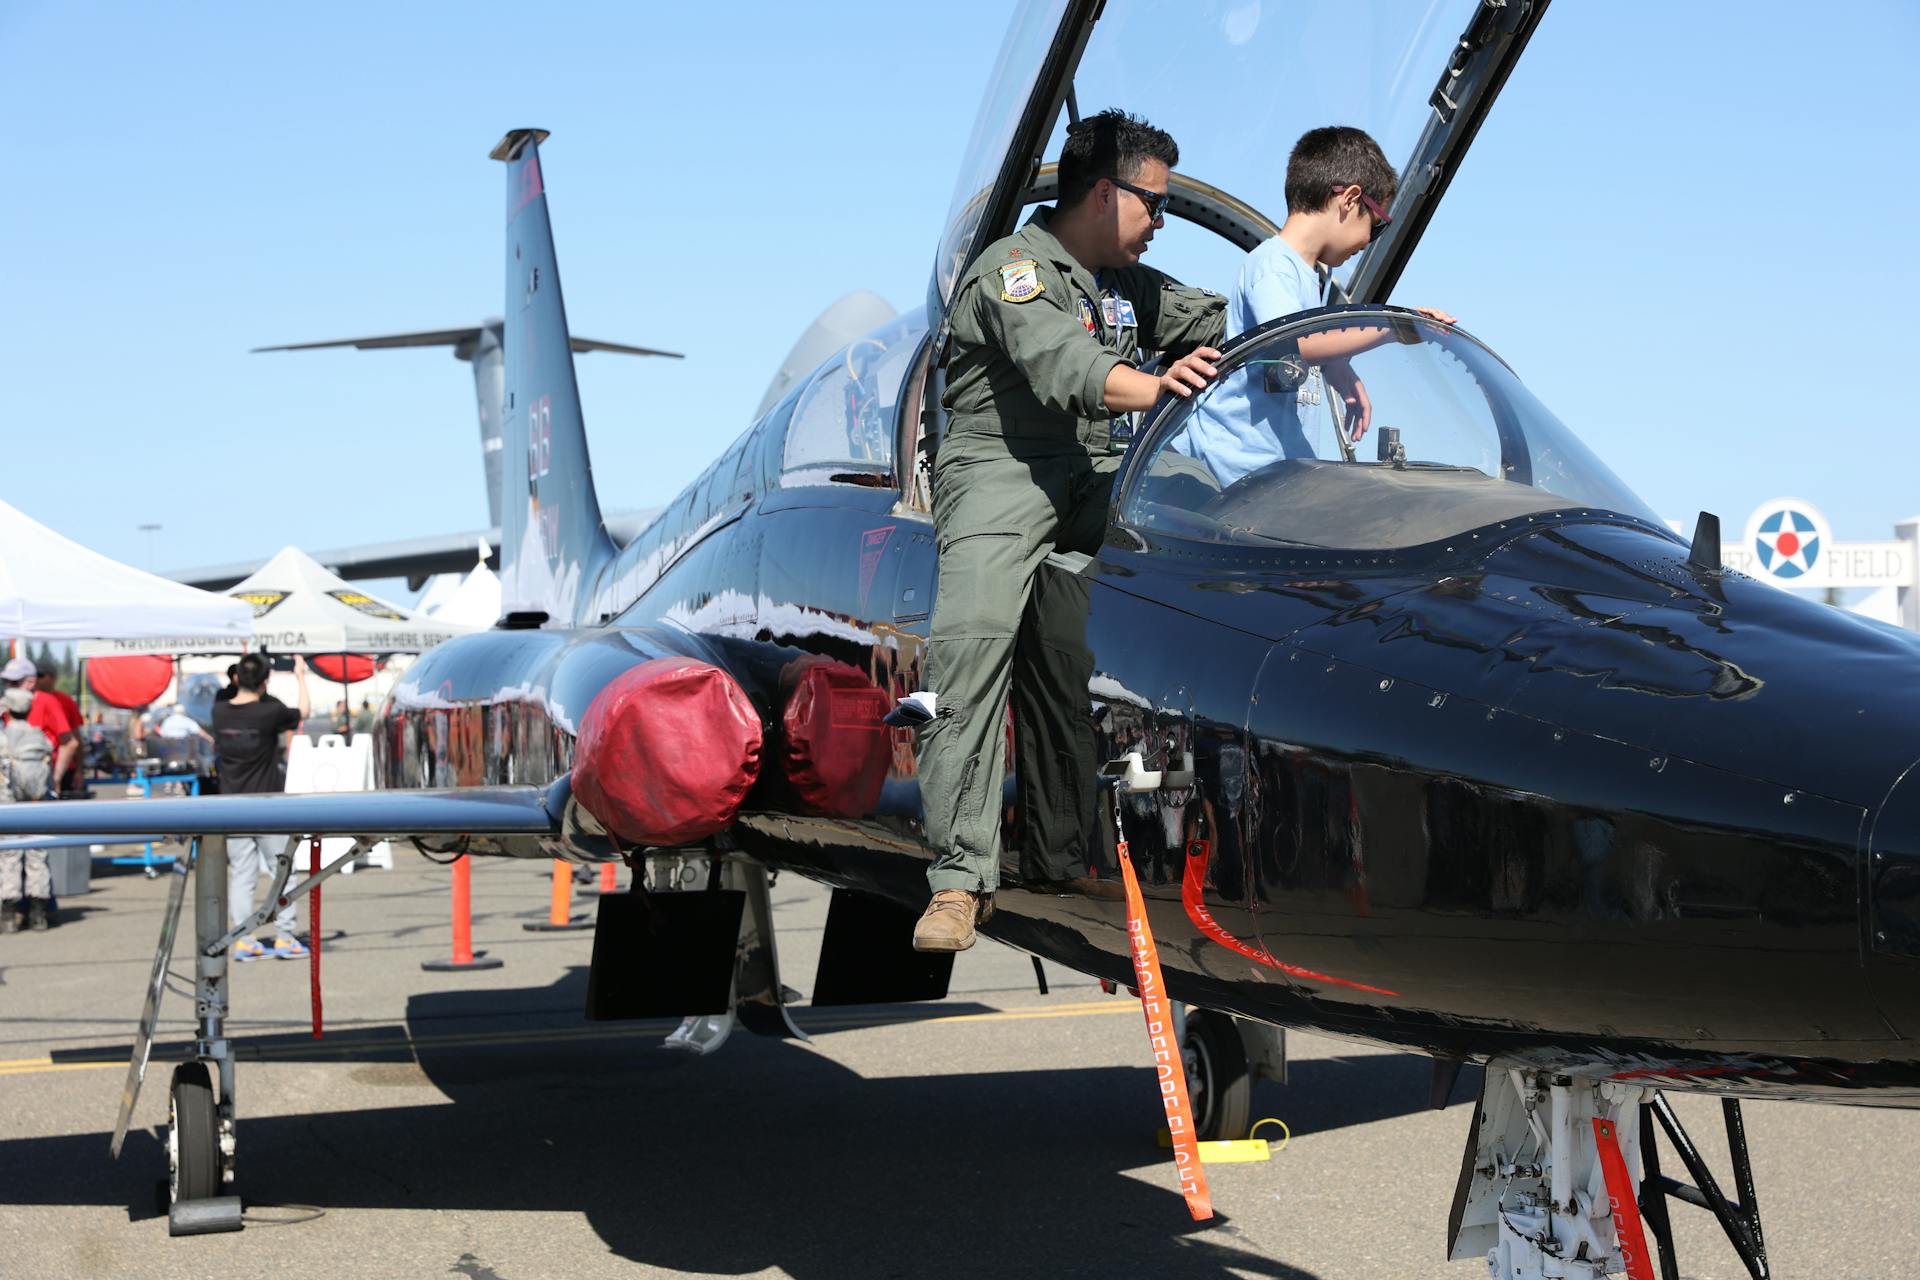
[
  {"x": 1740, "y": 1219},
  {"x": 1562, "y": 1172},
  {"x": 200, "y": 1112}
]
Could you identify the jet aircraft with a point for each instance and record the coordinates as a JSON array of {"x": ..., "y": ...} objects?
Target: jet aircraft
[{"x": 1438, "y": 740}]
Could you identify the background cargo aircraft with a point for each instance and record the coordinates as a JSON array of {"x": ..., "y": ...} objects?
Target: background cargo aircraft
[
  {"x": 414, "y": 559},
  {"x": 1448, "y": 746}
]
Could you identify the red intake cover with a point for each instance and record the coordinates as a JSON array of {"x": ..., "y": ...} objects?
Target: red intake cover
[
  {"x": 838, "y": 752},
  {"x": 667, "y": 752}
]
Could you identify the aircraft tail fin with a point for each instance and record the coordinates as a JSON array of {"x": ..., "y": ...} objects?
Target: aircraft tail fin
[{"x": 553, "y": 541}]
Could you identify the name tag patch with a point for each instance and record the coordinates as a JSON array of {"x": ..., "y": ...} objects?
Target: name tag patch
[
  {"x": 1020, "y": 281},
  {"x": 1127, "y": 317}
]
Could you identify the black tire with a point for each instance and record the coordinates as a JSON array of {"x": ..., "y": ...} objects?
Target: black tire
[
  {"x": 193, "y": 1138},
  {"x": 1218, "y": 1079}
]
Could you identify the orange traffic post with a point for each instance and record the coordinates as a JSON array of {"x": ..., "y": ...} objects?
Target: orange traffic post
[
  {"x": 463, "y": 953},
  {"x": 560, "y": 905},
  {"x": 609, "y": 877}
]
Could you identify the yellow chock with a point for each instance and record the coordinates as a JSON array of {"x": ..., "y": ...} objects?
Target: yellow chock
[{"x": 1238, "y": 1150}]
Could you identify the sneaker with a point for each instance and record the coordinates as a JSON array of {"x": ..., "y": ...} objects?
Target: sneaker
[
  {"x": 285, "y": 948},
  {"x": 248, "y": 949}
]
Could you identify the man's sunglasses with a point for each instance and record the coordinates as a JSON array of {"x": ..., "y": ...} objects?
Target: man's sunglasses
[
  {"x": 1381, "y": 221},
  {"x": 1156, "y": 201}
]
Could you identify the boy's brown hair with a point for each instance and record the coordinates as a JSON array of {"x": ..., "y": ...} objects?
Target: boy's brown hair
[{"x": 1333, "y": 157}]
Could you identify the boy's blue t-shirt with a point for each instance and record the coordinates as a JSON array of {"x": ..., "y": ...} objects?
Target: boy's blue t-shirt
[{"x": 1241, "y": 427}]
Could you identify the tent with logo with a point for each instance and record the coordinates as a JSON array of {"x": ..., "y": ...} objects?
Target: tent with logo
[
  {"x": 299, "y": 606},
  {"x": 52, "y": 588}
]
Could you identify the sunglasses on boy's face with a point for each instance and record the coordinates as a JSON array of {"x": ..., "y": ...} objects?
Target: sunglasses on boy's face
[
  {"x": 1156, "y": 201},
  {"x": 1380, "y": 219}
]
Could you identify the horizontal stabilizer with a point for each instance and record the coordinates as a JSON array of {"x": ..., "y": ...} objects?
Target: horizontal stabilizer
[
  {"x": 383, "y": 814},
  {"x": 454, "y": 338}
]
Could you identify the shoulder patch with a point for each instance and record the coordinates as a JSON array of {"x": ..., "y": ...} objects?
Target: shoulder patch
[{"x": 1020, "y": 281}]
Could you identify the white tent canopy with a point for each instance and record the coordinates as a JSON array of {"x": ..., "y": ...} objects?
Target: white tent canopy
[
  {"x": 52, "y": 588},
  {"x": 473, "y": 598},
  {"x": 299, "y": 607},
  {"x": 474, "y": 601}
]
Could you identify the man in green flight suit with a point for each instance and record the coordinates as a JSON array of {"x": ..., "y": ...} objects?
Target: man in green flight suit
[{"x": 1045, "y": 325}]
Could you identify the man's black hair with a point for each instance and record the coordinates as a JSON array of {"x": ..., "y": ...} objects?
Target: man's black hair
[
  {"x": 1112, "y": 144},
  {"x": 250, "y": 673},
  {"x": 1337, "y": 156}
]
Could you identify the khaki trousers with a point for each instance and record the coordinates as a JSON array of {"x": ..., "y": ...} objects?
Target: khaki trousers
[{"x": 1001, "y": 502}]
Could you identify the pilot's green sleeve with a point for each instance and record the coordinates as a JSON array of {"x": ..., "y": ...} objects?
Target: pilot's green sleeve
[
  {"x": 1065, "y": 366},
  {"x": 1182, "y": 319}
]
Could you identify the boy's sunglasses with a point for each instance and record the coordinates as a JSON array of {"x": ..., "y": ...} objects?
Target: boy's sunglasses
[
  {"x": 1381, "y": 221},
  {"x": 1156, "y": 201}
]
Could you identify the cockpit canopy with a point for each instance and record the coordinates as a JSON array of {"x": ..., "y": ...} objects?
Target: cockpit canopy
[{"x": 1359, "y": 429}]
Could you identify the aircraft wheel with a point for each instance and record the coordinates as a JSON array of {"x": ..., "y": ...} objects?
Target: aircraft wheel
[
  {"x": 1218, "y": 1078},
  {"x": 193, "y": 1136}
]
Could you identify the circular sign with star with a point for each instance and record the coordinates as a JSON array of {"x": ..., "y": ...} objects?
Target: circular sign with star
[{"x": 1788, "y": 537}]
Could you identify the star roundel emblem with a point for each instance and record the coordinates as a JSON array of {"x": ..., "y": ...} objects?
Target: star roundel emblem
[{"x": 1788, "y": 543}]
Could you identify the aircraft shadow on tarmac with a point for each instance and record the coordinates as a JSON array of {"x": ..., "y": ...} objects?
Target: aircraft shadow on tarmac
[{"x": 769, "y": 1154}]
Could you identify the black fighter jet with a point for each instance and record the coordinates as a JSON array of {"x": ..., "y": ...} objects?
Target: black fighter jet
[{"x": 1432, "y": 737}]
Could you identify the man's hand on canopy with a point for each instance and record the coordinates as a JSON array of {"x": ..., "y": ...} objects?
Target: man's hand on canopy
[{"x": 1190, "y": 372}]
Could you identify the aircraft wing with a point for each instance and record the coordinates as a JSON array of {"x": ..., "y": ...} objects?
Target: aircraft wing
[
  {"x": 480, "y": 811},
  {"x": 410, "y": 558}
]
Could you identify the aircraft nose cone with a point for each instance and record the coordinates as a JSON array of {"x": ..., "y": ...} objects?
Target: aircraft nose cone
[{"x": 1894, "y": 869}]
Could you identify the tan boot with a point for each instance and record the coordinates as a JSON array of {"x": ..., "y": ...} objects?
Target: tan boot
[{"x": 947, "y": 924}]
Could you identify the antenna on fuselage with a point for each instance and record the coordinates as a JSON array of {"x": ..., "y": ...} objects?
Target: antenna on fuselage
[{"x": 1706, "y": 543}]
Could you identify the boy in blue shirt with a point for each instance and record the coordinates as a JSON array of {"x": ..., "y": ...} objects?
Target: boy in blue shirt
[{"x": 1339, "y": 185}]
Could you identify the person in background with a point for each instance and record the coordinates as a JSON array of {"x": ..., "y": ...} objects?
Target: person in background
[
  {"x": 26, "y": 879},
  {"x": 247, "y": 731},
  {"x": 178, "y": 724},
  {"x": 231, "y": 687},
  {"x": 48, "y": 682},
  {"x": 342, "y": 720},
  {"x": 47, "y": 715}
]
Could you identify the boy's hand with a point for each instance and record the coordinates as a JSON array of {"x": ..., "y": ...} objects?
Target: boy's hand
[
  {"x": 1435, "y": 313},
  {"x": 1190, "y": 372},
  {"x": 1341, "y": 377}
]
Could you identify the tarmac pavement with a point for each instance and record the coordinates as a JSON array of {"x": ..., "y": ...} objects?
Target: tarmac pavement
[{"x": 473, "y": 1124}]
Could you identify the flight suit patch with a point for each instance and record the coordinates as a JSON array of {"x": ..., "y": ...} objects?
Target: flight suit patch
[
  {"x": 1086, "y": 315},
  {"x": 1020, "y": 281}
]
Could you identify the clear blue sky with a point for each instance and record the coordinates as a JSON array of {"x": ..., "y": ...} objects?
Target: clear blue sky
[{"x": 1689, "y": 227}]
